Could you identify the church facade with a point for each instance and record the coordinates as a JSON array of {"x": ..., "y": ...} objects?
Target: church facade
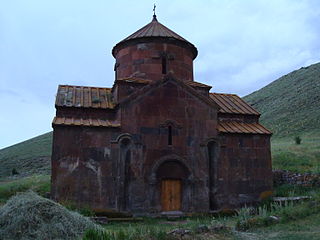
[{"x": 157, "y": 141}]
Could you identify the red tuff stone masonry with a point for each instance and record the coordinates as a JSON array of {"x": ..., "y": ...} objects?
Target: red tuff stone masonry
[
  {"x": 157, "y": 140},
  {"x": 152, "y": 60}
]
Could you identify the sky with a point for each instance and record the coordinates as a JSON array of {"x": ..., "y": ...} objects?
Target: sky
[{"x": 243, "y": 45}]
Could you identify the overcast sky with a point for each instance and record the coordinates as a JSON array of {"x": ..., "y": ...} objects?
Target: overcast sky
[{"x": 243, "y": 45}]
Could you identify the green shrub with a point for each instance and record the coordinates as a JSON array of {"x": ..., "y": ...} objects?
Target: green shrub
[
  {"x": 297, "y": 140},
  {"x": 14, "y": 172}
]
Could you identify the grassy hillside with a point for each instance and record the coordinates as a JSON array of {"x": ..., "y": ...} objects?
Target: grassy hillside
[
  {"x": 28, "y": 157},
  {"x": 290, "y": 106}
]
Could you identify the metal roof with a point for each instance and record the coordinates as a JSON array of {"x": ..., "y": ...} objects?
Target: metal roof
[
  {"x": 84, "y": 122},
  {"x": 81, "y": 96},
  {"x": 240, "y": 127},
  {"x": 154, "y": 29},
  {"x": 231, "y": 103},
  {"x": 197, "y": 84},
  {"x": 96, "y": 97}
]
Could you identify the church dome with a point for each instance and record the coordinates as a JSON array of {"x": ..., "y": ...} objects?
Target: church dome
[{"x": 152, "y": 32}]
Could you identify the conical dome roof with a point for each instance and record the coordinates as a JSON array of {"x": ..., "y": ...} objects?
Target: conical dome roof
[{"x": 155, "y": 31}]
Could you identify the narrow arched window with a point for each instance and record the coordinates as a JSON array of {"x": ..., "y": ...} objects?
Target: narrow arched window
[
  {"x": 164, "y": 65},
  {"x": 116, "y": 65},
  {"x": 169, "y": 135}
]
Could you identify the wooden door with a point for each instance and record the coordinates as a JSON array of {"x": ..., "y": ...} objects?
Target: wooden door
[{"x": 171, "y": 195}]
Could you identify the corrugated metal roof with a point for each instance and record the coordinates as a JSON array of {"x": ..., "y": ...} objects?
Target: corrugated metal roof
[
  {"x": 239, "y": 127},
  {"x": 84, "y": 122},
  {"x": 82, "y": 96},
  {"x": 231, "y": 103}
]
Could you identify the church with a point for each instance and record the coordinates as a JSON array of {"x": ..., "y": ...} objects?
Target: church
[{"x": 157, "y": 141}]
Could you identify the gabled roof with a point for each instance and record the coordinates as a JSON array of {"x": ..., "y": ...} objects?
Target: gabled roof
[
  {"x": 84, "y": 97},
  {"x": 155, "y": 30},
  {"x": 231, "y": 103},
  {"x": 154, "y": 84},
  {"x": 240, "y": 127},
  {"x": 146, "y": 81},
  {"x": 96, "y": 97}
]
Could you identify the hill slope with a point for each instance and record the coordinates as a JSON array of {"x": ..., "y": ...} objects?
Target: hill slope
[
  {"x": 290, "y": 106},
  {"x": 28, "y": 157}
]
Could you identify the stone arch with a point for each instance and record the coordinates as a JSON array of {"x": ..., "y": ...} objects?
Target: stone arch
[
  {"x": 171, "y": 167},
  {"x": 171, "y": 157},
  {"x": 122, "y": 137},
  {"x": 124, "y": 171}
]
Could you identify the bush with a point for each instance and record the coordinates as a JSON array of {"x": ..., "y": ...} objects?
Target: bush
[
  {"x": 297, "y": 140},
  {"x": 14, "y": 172}
]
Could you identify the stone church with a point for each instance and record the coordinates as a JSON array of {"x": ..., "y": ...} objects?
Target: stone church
[{"x": 157, "y": 140}]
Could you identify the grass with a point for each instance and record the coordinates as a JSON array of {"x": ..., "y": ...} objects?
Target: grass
[
  {"x": 28, "y": 157},
  {"x": 289, "y": 106},
  {"x": 272, "y": 213},
  {"x": 249, "y": 224},
  {"x": 288, "y": 190},
  {"x": 261, "y": 227},
  {"x": 152, "y": 228},
  {"x": 38, "y": 183},
  {"x": 304, "y": 157},
  {"x": 303, "y": 228}
]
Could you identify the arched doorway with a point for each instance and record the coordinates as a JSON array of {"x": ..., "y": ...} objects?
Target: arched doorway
[{"x": 172, "y": 176}]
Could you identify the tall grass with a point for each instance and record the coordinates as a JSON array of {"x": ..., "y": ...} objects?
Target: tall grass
[
  {"x": 304, "y": 157},
  {"x": 37, "y": 183},
  {"x": 128, "y": 234},
  {"x": 273, "y": 212},
  {"x": 289, "y": 190}
]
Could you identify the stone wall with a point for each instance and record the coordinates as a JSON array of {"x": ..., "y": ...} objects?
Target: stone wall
[
  {"x": 303, "y": 179},
  {"x": 153, "y": 60},
  {"x": 244, "y": 170}
]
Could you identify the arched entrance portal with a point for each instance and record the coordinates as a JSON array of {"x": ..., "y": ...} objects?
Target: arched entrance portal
[{"x": 172, "y": 176}]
